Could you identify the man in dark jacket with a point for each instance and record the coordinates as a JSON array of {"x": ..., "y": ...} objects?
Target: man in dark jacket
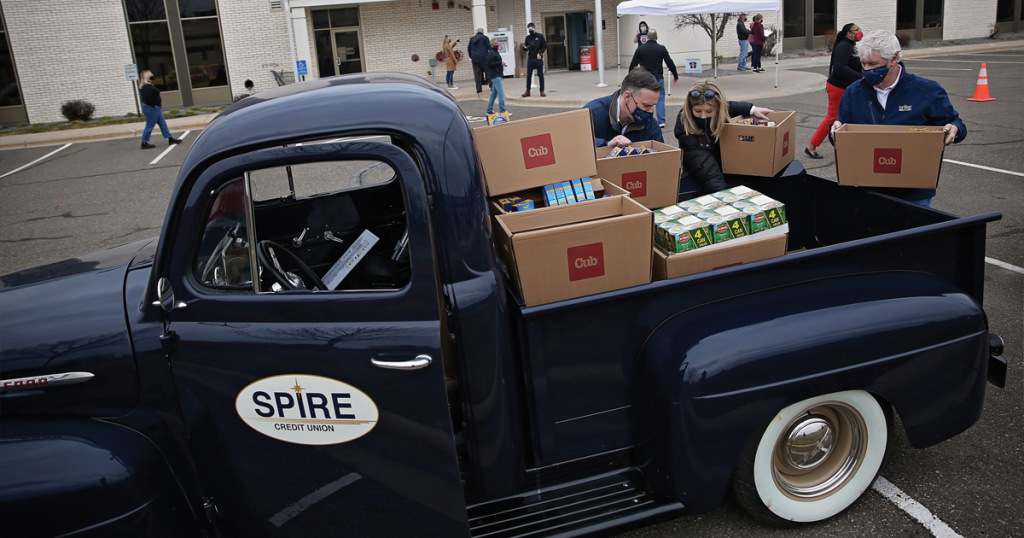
[
  {"x": 743, "y": 35},
  {"x": 888, "y": 95},
  {"x": 496, "y": 74},
  {"x": 479, "y": 44},
  {"x": 535, "y": 46},
  {"x": 651, "y": 55},
  {"x": 627, "y": 115}
]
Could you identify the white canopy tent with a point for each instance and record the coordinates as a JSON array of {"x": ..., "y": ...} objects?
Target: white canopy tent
[{"x": 695, "y": 7}]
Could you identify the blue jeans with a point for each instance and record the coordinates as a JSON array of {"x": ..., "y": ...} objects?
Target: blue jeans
[
  {"x": 927, "y": 202},
  {"x": 661, "y": 102},
  {"x": 497, "y": 89},
  {"x": 154, "y": 116},
  {"x": 743, "y": 54},
  {"x": 450, "y": 78}
]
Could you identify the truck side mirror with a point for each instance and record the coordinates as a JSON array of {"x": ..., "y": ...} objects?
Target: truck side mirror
[{"x": 165, "y": 295}]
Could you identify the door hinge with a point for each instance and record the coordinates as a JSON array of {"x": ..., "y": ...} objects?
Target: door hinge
[{"x": 169, "y": 343}]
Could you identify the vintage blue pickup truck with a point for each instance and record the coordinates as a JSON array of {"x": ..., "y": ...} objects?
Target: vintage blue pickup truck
[{"x": 239, "y": 376}]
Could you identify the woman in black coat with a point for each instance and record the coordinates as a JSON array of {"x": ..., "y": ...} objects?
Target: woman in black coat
[
  {"x": 698, "y": 128},
  {"x": 843, "y": 69}
]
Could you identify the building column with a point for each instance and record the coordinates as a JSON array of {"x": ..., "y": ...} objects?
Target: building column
[
  {"x": 301, "y": 35},
  {"x": 480, "y": 15}
]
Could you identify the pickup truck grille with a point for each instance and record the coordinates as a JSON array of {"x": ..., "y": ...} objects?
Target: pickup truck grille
[{"x": 570, "y": 509}]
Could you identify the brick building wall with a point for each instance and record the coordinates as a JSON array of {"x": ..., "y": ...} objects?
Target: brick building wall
[
  {"x": 961, "y": 19},
  {"x": 871, "y": 14},
  {"x": 70, "y": 50},
  {"x": 393, "y": 31},
  {"x": 255, "y": 42}
]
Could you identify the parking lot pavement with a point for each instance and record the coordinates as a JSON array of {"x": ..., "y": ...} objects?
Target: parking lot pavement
[{"x": 101, "y": 194}]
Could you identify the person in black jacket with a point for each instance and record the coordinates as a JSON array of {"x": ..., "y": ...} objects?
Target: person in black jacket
[
  {"x": 651, "y": 55},
  {"x": 698, "y": 127},
  {"x": 478, "y": 46},
  {"x": 843, "y": 69},
  {"x": 151, "y": 103},
  {"x": 535, "y": 46},
  {"x": 743, "y": 34},
  {"x": 496, "y": 73}
]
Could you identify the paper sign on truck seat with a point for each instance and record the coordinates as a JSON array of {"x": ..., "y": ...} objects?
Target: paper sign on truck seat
[{"x": 349, "y": 259}]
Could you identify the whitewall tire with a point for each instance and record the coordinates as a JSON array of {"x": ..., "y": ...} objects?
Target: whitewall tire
[{"x": 814, "y": 459}]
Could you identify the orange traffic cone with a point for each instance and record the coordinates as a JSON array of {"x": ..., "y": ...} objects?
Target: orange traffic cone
[{"x": 981, "y": 90}]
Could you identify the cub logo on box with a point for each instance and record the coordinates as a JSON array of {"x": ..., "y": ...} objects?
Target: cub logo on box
[
  {"x": 785, "y": 143},
  {"x": 537, "y": 151},
  {"x": 635, "y": 183},
  {"x": 887, "y": 161},
  {"x": 586, "y": 261}
]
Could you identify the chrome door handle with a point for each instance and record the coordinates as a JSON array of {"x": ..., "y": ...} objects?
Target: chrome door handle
[{"x": 421, "y": 361}]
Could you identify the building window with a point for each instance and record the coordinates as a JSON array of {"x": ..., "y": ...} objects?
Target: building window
[
  {"x": 151, "y": 41},
  {"x": 204, "y": 52},
  {"x": 1004, "y": 10},
  {"x": 338, "y": 43},
  {"x": 933, "y": 13},
  {"x": 9, "y": 94},
  {"x": 825, "y": 16},
  {"x": 795, "y": 19},
  {"x": 197, "y": 8}
]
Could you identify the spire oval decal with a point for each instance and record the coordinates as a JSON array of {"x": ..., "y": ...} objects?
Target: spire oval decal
[{"x": 306, "y": 409}]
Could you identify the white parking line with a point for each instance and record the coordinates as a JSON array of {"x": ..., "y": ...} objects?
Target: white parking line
[
  {"x": 169, "y": 148},
  {"x": 915, "y": 509},
  {"x": 941, "y": 69},
  {"x": 1005, "y": 265},
  {"x": 984, "y": 167},
  {"x": 283, "y": 516},
  {"x": 958, "y": 61},
  {"x": 35, "y": 161}
]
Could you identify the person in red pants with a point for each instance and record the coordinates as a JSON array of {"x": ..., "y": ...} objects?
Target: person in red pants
[{"x": 844, "y": 69}]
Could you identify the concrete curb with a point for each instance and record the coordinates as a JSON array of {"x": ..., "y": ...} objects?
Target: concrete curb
[{"x": 93, "y": 134}]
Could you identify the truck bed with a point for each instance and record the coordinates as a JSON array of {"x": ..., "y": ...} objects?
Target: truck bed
[{"x": 579, "y": 357}]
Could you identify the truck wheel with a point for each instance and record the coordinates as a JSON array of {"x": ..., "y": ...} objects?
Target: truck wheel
[{"x": 814, "y": 460}]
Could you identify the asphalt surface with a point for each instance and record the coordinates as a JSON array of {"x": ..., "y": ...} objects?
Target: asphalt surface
[{"x": 91, "y": 196}]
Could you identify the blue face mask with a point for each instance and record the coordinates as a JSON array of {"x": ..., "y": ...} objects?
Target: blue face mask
[
  {"x": 874, "y": 77},
  {"x": 641, "y": 117}
]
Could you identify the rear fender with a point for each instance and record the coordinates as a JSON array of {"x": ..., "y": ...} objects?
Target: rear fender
[
  {"x": 90, "y": 478},
  {"x": 714, "y": 375}
]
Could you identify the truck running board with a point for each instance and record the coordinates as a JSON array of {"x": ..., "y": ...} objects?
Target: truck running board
[{"x": 571, "y": 509}]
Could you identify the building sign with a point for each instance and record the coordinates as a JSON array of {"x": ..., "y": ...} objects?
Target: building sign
[
  {"x": 131, "y": 72},
  {"x": 301, "y": 67},
  {"x": 693, "y": 65}
]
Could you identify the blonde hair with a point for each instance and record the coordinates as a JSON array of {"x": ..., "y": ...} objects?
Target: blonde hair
[
  {"x": 718, "y": 103},
  {"x": 759, "y": 17},
  {"x": 144, "y": 78}
]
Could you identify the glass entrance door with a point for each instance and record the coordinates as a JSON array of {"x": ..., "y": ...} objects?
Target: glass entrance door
[
  {"x": 554, "y": 34},
  {"x": 348, "y": 54}
]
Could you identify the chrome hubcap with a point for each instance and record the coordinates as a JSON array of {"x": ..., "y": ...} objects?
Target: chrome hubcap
[{"x": 819, "y": 452}]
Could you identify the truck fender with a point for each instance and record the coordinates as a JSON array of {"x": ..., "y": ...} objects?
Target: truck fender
[
  {"x": 61, "y": 476},
  {"x": 714, "y": 375}
]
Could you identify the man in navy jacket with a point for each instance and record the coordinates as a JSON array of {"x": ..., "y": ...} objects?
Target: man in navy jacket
[
  {"x": 889, "y": 95},
  {"x": 479, "y": 44},
  {"x": 627, "y": 115}
]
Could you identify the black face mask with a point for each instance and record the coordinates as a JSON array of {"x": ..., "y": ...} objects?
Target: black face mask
[{"x": 704, "y": 124}]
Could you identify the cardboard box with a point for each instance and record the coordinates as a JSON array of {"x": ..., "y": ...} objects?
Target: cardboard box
[
  {"x": 563, "y": 252},
  {"x": 652, "y": 178},
  {"x": 534, "y": 152},
  {"x": 599, "y": 186},
  {"x": 752, "y": 248},
  {"x": 889, "y": 156},
  {"x": 754, "y": 150},
  {"x": 520, "y": 72}
]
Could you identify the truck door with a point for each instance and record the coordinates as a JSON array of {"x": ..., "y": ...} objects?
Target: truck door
[{"x": 308, "y": 357}]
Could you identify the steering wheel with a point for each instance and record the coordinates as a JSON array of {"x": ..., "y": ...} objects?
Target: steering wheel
[{"x": 265, "y": 253}]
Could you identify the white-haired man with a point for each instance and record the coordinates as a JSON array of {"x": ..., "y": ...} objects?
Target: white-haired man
[{"x": 889, "y": 95}]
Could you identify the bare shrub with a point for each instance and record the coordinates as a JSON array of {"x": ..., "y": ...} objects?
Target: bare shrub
[
  {"x": 904, "y": 40},
  {"x": 994, "y": 30},
  {"x": 830, "y": 40},
  {"x": 77, "y": 110},
  {"x": 771, "y": 41}
]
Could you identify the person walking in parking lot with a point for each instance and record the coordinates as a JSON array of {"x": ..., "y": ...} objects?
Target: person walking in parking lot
[
  {"x": 888, "y": 95},
  {"x": 496, "y": 73},
  {"x": 478, "y": 46},
  {"x": 757, "y": 40},
  {"x": 535, "y": 46},
  {"x": 652, "y": 55},
  {"x": 151, "y": 108},
  {"x": 744, "y": 35},
  {"x": 843, "y": 70}
]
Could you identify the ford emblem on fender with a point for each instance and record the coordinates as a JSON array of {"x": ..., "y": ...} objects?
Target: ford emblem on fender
[
  {"x": 306, "y": 409},
  {"x": 41, "y": 381}
]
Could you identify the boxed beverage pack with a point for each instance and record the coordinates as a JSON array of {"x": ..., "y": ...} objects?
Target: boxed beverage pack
[
  {"x": 889, "y": 155},
  {"x": 746, "y": 250},
  {"x": 563, "y": 252},
  {"x": 542, "y": 196},
  {"x": 652, "y": 178},
  {"x": 759, "y": 150}
]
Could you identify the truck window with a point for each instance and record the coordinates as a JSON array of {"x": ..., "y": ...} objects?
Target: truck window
[
  {"x": 340, "y": 222},
  {"x": 223, "y": 258}
]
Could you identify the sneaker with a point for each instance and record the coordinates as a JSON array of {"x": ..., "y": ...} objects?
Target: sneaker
[
  {"x": 542, "y": 94},
  {"x": 172, "y": 141},
  {"x": 147, "y": 145},
  {"x": 527, "y": 94},
  {"x": 662, "y": 125},
  {"x": 453, "y": 87}
]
